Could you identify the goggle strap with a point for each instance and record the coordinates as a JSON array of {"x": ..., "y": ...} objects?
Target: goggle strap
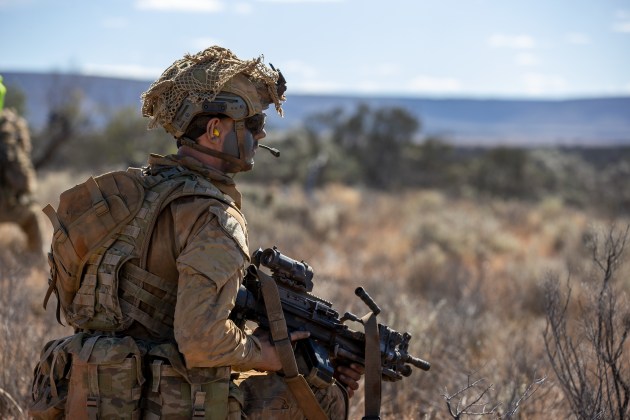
[{"x": 241, "y": 131}]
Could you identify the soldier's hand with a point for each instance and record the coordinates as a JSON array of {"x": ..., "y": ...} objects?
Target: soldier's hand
[
  {"x": 350, "y": 376},
  {"x": 270, "y": 361}
]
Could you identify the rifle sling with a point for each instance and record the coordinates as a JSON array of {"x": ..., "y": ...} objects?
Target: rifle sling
[
  {"x": 279, "y": 332},
  {"x": 372, "y": 368}
]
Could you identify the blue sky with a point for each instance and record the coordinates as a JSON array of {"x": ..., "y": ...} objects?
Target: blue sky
[{"x": 442, "y": 48}]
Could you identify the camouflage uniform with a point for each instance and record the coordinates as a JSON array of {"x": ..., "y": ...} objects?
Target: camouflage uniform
[
  {"x": 190, "y": 246},
  {"x": 173, "y": 270},
  {"x": 17, "y": 178}
]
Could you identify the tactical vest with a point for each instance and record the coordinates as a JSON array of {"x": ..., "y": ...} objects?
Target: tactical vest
[{"x": 102, "y": 230}]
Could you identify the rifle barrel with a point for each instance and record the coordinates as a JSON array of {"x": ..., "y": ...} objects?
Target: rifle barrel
[{"x": 417, "y": 362}]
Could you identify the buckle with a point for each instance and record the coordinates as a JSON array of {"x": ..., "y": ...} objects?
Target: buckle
[{"x": 101, "y": 208}]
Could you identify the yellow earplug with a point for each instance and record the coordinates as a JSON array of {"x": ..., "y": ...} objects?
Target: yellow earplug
[{"x": 215, "y": 132}]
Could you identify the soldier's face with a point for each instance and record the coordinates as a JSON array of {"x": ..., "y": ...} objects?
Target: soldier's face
[{"x": 246, "y": 141}]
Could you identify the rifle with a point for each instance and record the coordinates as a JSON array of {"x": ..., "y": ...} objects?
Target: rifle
[{"x": 331, "y": 342}]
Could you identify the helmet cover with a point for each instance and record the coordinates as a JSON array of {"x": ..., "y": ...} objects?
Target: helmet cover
[{"x": 203, "y": 78}]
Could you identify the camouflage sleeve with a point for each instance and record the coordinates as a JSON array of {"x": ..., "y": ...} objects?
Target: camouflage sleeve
[{"x": 211, "y": 267}]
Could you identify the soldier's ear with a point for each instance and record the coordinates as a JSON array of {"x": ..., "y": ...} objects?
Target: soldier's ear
[{"x": 212, "y": 128}]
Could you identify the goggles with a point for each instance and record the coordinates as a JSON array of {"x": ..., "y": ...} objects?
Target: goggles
[{"x": 256, "y": 123}]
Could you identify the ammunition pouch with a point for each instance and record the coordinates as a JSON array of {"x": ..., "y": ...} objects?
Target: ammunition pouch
[
  {"x": 49, "y": 390},
  {"x": 98, "y": 376},
  {"x": 173, "y": 391}
]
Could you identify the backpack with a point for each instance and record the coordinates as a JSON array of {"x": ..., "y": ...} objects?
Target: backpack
[{"x": 102, "y": 230}]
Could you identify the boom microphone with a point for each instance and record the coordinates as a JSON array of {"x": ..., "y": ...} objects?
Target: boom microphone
[{"x": 272, "y": 150}]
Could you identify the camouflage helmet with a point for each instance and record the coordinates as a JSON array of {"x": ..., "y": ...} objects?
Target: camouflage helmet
[{"x": 211, "y": 81}]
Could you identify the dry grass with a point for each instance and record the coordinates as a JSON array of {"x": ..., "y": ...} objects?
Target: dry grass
[{"x": 463, "y": 277}]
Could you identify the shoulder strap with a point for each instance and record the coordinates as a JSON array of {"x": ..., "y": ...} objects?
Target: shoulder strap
[
  {"x": 372, "y": 387},
  {"x": 296, "y": 382},
  {"x": 193, "y": 185}
]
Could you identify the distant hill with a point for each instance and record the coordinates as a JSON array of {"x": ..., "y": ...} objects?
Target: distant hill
[{"x": 576, "y": 122}]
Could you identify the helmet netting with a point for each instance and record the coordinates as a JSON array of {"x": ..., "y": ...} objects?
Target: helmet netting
[{"x": 164, "y": 97}]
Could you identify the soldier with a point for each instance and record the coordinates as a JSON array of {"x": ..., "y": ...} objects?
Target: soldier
[
  {"x": 17, "y": 176},
  {"x": 178, "y": 292}
]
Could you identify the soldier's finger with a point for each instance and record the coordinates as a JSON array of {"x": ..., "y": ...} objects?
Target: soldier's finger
[
  {"x": 358, "y": 368},
  {"x": 349, "y": 382},
  {"x": 350, "y": 373},
  {"x": 299, "y": 335}
]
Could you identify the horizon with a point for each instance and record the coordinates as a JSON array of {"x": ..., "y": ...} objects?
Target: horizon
[
  {"x": 476, "y": 49},
  {"x": 355, "y": 95},
  {"x": 486, "y": 120}
]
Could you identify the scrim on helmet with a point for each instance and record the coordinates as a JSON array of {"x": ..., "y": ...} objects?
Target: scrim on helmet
[{"x": 201, "y": 77}]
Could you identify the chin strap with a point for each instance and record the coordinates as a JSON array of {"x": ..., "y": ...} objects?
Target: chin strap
[{"x": 239, "y": 164}]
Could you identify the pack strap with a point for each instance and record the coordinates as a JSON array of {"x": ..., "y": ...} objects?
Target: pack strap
[
  {"x": 131, "y": 280},
  {"x": 156, "y": 374},
  {"x": 52, "y": 215},
  {"x": 52, "y": 284},
  {"x": 98, "y": 201},
  {"x": 51, "y": 379},
  {"x": 143, "y": 318},
  {"x": 100, "y": 204},
  {"x": 145, "y": 296},
  {"x": 52, "y": 287},
  {"x": 93, "y": 396},
  {"x": 198, "y": 401},
  {"x": 279, "y": 332}
]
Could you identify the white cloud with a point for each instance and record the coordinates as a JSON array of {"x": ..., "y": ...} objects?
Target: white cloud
[
  {"x": 122, "y": 70},
  {"x": 210, "y": 6},
  {"x": 622, "y": 21},
  {"x": 243, "y": 8},
  {"x": 536, "y": 83},
  {"x": 430, "y": 84},
  {"x": 622, "y": 27},
  {"x": 526, "y": 59},
  {"x": 577, "y": 38},
  {"x": 511, "y": 41}
]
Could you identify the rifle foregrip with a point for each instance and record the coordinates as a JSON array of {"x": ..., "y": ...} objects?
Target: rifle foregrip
[{"x": 360, "y": 292}]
